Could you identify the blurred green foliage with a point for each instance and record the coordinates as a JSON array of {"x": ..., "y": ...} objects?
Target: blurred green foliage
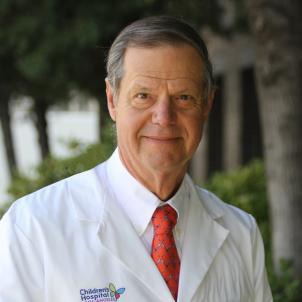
[
  {"x": 284, "y": 286},
  {"x": 53, "y": 169}
]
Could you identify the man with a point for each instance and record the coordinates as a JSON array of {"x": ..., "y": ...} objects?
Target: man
[{"x": 136, "y": 228}]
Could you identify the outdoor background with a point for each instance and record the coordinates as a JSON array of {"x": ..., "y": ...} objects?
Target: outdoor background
[{"x": 54, "y": 120}]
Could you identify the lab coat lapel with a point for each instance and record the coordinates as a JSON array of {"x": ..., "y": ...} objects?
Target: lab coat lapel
[
  {"x": 95, "y": 204},
  {"x": 114, "y": 231},
  {"x": 203, "y": 240}
]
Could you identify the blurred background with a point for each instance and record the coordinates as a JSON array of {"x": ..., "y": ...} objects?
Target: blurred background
[{"x": 54, "y": 120}]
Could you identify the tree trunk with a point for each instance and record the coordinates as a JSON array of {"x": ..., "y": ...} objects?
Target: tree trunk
[
  {"x": 40, "y": 110},
  {"x": 277, "y": 29},
  {"x": 232, "y": 120},
  {"x": 7, "y": 134}
]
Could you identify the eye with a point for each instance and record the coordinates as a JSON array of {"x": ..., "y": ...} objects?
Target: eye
[
  {"x": 186, "y": 101},
  {"x": 184, "y": 97},
  {"x": 142, "y": 100},
  {"x": 142, "y": 95}
]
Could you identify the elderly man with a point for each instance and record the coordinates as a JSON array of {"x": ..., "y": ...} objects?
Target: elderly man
[{"x": 136, "y": 228}]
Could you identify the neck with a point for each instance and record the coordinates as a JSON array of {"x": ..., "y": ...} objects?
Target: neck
[{"x": 164, "y": 184}]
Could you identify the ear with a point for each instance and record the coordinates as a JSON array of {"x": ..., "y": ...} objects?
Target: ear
[
  {"x": 209, "y": 104},
  {"x": 110, "y": 100}
]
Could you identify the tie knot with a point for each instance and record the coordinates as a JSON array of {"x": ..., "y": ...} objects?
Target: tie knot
[{"x": 164, "y": 219}]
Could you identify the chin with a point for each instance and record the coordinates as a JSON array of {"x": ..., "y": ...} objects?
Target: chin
[{"x": 164, "y": 163}]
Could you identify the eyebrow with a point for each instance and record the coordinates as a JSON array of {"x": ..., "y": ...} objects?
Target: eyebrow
[
  {"x": 143, "y": 86},
  {"x": 149, "y": 84}
]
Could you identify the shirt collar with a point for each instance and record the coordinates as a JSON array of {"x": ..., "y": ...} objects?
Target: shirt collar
[{"x": 134, "y": 198}]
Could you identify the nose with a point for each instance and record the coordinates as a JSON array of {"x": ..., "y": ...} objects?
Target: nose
[{"x": 164, "y": 112}]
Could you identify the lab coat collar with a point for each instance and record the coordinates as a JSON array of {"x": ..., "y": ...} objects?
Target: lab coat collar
[
  {"x": 87, "y": 190},
  {"x": 131, "y": 195}
]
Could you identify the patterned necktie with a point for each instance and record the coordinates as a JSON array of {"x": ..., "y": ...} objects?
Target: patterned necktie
[{"x": 164, "y": 252}]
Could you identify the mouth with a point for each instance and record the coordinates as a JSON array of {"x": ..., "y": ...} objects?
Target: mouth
[{"x": 162, "y": 139}]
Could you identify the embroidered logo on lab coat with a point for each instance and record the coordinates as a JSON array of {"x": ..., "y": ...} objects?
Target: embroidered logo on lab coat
[{"x": 109, "y": 293}]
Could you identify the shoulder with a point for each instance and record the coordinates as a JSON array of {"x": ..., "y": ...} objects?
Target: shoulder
[{"x": 51, "y": 202}]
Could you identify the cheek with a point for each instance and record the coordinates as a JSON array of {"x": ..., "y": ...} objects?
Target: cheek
[
  {"x": 193, "y": 123},
  {"x": 194, "y": 129},
  {"x": 128, "y": 126}
]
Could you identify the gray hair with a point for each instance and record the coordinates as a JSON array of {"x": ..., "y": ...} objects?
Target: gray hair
[{"x": 151, "y": 32}]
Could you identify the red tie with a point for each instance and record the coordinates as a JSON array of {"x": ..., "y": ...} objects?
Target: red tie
[{"x": 164, "y": 252}]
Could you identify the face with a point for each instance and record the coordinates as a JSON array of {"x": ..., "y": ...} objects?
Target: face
[{"x": 160, "y": 109}]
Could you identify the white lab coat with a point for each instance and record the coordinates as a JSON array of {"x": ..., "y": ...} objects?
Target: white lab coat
[{"x": 69, "y": 241}]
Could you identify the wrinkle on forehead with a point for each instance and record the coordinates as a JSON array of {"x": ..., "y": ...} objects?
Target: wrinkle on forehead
[
  {"x": 161, "y": 77},
  {"x": 164, "y": 62},
  {"x": 181, "y": 83}
]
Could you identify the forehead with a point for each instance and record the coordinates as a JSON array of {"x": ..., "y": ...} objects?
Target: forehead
[{"x": 166, "y": 62}]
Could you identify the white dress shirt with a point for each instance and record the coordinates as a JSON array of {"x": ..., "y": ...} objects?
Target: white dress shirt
[{"x": 139, "y": 204}]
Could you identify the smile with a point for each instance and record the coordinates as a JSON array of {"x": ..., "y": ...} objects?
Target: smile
[{"x": 159, "y": 139}]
